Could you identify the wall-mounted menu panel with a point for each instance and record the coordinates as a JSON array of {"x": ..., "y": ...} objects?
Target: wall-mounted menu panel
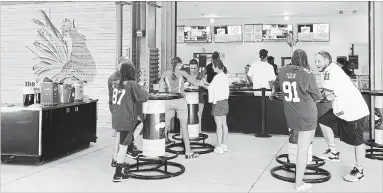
[
  {"x": 228, "y": 33},
  {"x": 253, "y": 33},
  {"x": 314, "y": 32}
]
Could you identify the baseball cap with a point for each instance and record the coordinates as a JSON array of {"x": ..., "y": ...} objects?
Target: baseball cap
[
  {"x": 270, "y": 58},
  {"x": 263, "y": 53}
]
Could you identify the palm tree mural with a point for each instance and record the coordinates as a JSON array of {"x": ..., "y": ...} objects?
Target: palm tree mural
[{"x": 62, "y": 54}]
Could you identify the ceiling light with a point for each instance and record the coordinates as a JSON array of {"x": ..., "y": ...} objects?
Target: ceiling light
[
  {"x": 285, "y": 13},
  {"x": 325, "y": 5},
  {"x": 286, "y": 17},
  {"x": 212, "y": 20}
]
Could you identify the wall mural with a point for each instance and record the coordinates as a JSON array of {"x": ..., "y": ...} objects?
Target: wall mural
[{"x": 61, "y": 55}]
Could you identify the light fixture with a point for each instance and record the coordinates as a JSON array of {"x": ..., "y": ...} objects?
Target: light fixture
[
  {"x": 286, "y": 17},
  {"x": 212, "y": 20}
]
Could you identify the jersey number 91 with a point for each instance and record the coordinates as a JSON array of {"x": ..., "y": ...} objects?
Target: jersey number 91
[{"x": 290, "y": 90}]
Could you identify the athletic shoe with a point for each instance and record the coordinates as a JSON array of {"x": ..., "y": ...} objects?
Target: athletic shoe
[
  {"x": 354, "y": 176},
  {"x": 218, "y": 150},
  {"x": 330, "y": 156},
  {"x": 224, "y": 147},
  {"x": 120, "y": 177},
  {"x": 304, "y": 186},
  {"x": 132, "y": 154}
]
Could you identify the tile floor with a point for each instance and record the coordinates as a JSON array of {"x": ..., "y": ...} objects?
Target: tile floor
[{"x": 245, "y": 168}]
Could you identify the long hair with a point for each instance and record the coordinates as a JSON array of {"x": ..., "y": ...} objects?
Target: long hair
[
  {"x": 218, "y": 64},
  {"x": 299, "y": 58},
  {"x": 127, "y": 71},
  {"x": 175, "y": 61},
  {"x": 215, "y": 55}
]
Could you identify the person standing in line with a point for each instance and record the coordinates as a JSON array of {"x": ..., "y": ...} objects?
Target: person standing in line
[
  {"x": 127, "y": 93},
  {"x": 347, "y": 117},
  {"x": 261, "y": 74},
  {"x": 172, "y": 81},
  {"x": 270, "y": 60},
  {"x": 219, "y": 95},
  {"x": 300, "y": 94}
]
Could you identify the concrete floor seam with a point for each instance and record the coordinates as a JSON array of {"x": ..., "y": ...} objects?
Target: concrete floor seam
[{"x": 271, "y": 161}]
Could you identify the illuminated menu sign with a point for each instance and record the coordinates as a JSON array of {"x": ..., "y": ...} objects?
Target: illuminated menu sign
[{"x": 253, "y": 33}]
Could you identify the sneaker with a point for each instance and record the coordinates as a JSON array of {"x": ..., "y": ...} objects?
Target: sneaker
[
  {"x": 330, "y": 156},
  {"x": 224, "y": 147},
  {"x": 304, "y": 186},
  {"x": 218, "y": 150},
  {"x": 132, "y": 154},
  {"x": 354, "y": 176},
  {"x": 120, "y": 178},
  {"x": 133, "y": 148}
]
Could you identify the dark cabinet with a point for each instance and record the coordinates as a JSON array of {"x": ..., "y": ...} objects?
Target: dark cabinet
[{"x": 48, "y": 132}]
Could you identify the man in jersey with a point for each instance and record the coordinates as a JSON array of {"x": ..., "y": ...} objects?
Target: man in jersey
[
  {"x": 347, "y": 116},
  {"x": 126, "y": 94},
  {"x": 172, "y": 81},
  {"x": 300, "y": 93},
  {"x": 113, "y": 79},
  {"x": 194, "y": 73}
]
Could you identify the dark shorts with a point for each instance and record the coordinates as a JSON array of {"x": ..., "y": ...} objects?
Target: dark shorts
[
  {"x": 126, "y": 137},
  {"x": 297, "y": 123},
  {"x": 221, "y": 108},
  {"x": 350, "y": 132}
]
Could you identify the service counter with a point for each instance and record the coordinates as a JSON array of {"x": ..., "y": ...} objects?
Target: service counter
[
  {"x": 45, "y": 132},
  {"x": 245, "y": 114}
]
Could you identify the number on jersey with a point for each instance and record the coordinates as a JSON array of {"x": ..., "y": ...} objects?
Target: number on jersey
[
  {"x": 290, "y": 88},
  {"x": 117, "y": 96}
]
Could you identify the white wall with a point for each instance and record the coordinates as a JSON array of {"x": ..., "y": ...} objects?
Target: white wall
[{"x": 344, "y": 30}]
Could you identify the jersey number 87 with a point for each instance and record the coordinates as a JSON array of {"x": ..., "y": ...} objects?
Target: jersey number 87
[
  {"x": 290, "y": 88},
  {"x": 117, "y": 96}
]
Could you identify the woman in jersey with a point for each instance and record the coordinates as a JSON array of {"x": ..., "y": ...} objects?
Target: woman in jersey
[
  {"x": 300, "y": 94},
  {"x": 126, "y": 94},
  {"x": 172, "y": 81}
]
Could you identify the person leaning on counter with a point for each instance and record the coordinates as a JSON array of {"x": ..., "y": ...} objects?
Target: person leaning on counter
[{"x": 261, "y": 74}]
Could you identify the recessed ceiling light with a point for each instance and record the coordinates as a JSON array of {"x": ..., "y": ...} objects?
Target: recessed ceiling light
[
  {"x": 212, "y": 20},
  {"x": 285, "y": 13},
  {"x": 286, "y": 17},
  {"x": 325, "y": 5}
]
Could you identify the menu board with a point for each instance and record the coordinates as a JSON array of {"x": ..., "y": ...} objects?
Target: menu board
[
  {"x": 228, "y": 33},
  {"x": 197, "y": 34},
  {"x": 253, "y": 33},
  {"x": 276, "y": 32},
  {"x": 314, "y": 32},
  {"x": 180, "y": 34}
]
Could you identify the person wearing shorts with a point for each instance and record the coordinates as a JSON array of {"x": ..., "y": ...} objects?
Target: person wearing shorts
[
  {"x": 172, "y": 81},
  {"x": 300, "y": 93},
  {"x": 346, "y": 118},
  {"x": 218, "y": 93},
  {"x": 126, "y": 94}
]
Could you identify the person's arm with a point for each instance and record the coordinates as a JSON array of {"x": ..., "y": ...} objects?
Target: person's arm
[
  {"x": 192, "y": 80},
  {"x": 250, "y": 74},
  {"x": 110, "y": 89},
  {"x": 272, "y": 77},
  {"x": 162, "y": 85},
  {"x": 139, "y": 93},
  {"x": 313, "y": 88}
]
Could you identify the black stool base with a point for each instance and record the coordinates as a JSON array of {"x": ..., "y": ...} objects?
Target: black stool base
[
  {"x": 193, "y": 145},
  {"x": 201, "y": 137},
  {"x": 161, "y": 162},
  {"x": 323, "y": 175},
  {"x": 375, "y": 151}
]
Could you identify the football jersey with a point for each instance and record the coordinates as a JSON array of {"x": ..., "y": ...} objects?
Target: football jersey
[
  {"x": 348, "y": 103},
  {"x": 124, "y": 101},
  {"x": 300, "y": 93},
  {"x": 115, "y": 77}
]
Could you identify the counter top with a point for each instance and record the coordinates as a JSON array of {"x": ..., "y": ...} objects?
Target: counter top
[
  {"x": 372, "y": 92},
  {"x": 37, "y": 107}
]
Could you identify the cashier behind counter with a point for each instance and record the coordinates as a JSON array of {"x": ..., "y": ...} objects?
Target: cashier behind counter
[{"x": 261, "y": 74}]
